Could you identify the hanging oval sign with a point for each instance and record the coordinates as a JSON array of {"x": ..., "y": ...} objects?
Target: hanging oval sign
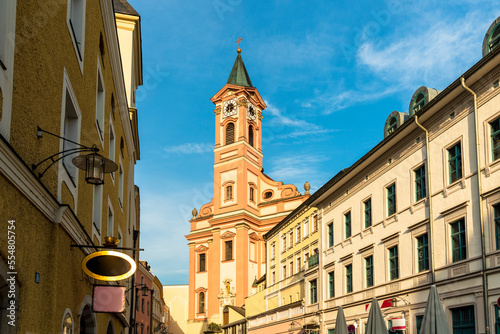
[{"x": 109, "y": 265}]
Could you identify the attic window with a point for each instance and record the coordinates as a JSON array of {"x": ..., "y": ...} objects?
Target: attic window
[
  {"x": 494, "y": 38},
  {"x": 268, "y": 194},
  {"x": 418, "y": 103},
  {"x": 392, "y": 126}
]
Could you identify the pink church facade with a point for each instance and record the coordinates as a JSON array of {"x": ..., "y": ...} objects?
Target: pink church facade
[{"x": 226, "y": 245}]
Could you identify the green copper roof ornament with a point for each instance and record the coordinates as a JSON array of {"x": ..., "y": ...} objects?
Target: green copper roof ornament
[{"x": 239, "y": 75}]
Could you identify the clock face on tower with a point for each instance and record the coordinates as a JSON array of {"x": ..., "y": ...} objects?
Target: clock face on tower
[
  {"x": 251, "y": 112},
  {"x": 229, "y": 108}
]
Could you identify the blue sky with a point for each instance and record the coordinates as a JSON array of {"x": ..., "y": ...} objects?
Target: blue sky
[{"x": 330, "y": 72}]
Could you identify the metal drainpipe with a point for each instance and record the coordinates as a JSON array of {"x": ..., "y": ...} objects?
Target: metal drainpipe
[
  {"x": 429, "y": 196},
  {"x": 480, "y": 195}
]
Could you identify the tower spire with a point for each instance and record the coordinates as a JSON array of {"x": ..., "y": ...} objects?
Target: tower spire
[{"x": 239, "y": 75}]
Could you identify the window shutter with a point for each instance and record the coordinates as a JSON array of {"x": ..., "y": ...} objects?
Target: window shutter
[{"x": 230, "y": 133}]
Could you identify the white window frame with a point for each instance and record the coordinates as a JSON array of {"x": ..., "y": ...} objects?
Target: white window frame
[
  {"x": 63, "y": 176},
  {"x": 79, "y": 51},
  {"x": 97, "y": 206},
  {"x": 100, "y": 104},
  {"x": 7, "y": 41},
  {"x": 110, "y": 222},
  {"x": 112, "y": 145},
  {"x": 121, "y": 183}
]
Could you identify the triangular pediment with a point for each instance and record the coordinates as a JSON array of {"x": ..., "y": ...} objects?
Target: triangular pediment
[
  {"x": 202, "y": 248},
  {"x": 227, "y": 235},
  {"x": 254, "y": 236}
]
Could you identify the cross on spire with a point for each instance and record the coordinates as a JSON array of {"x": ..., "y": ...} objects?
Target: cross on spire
[{"x": 238, "y": 41}]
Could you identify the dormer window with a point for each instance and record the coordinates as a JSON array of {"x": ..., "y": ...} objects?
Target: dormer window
[
  {"x": 418, "y": 103},
  {"x": 392, "y": 126},
  {"x": 494, "y": 38}
]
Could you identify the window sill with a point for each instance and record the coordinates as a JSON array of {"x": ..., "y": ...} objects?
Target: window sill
[
  {"x": 201, "y": 272},
  {"x": 224, "y": 261}
]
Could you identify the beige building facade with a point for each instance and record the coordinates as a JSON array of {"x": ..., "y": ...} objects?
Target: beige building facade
[
  {"x": 61, "y": 76},
  {"x": 420, "y": 208}
]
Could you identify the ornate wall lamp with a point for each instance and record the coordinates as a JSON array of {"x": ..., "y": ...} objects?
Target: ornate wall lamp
[{"x": 94, "y": 164}]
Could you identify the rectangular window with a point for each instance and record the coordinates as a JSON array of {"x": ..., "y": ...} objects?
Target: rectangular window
[
  {"x": 331, "y": 331},
  {"x": 284, "y": 272},
  {"x": 202, "y": 262},
  {"x": 313, "y": 289},
  {"x": 495, "y": 138},
  {"x": 423, "y": 253},
  {"x": 284, "y": 243},
  {"x": 368, "y": 212},
  {"x": 420, "y": 183},
  {"x": 273, "y": 251},
  {"x": 99, "y": 107},
  {"x": 273, "y": 277},
  {"x": 393, "y": 263},
  {"x": 111, "y": 222},
  {"x": 306, "y": 228},
  {"x": 315, "y": 223},
  {"x": 251, "y": 194},
  {"x": 330, "y": 235},
  {"x": 120, "y": 185},
  {"x": 291, "y": 268},
  {"x": 299, "y": 265},
  {"x": 369, "y": 271},
  {"x": 70, "y": 132},
  {"x": 298, "y": 234},
  {"x": 348, "y": 278},
  {"x": 229, "y": 250},
  {"x": 112, "y": 144},
  {"x": 76, "y": 21},
  {"x": 496, "y": 208},
  {"x": 347, "y": 223},
  {"x": 97, "y": 210},
  {"x": 418, "y": 321},
  {"x": 252, "y": 251},
  {"x": 391, "y": 199},
  {"x": 229, "y": 192},
  {"x": 291, "y": 239},
  {"x": 331, "y": 284},
  {"x": 455, "y": 163},
  {"x": 458, "y": 248},
  {"x": 463, "y": 319}
]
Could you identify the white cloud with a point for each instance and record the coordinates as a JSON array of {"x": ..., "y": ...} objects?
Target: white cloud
[
  {"x": 189, "y": 148},
  {"x": 433, "y": 54},
  {"x": 296, "y": 167},
  {"x": 436, "y": 55}
]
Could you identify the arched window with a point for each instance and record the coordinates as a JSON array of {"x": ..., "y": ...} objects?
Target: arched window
[
  {"x": 230, "y": 133},
  {"x": 229, "y": 192},
  {"x": 250, "y": 135},
  {"x": 87, "y": 325},
  {"x": 418, "y": 103},
  {"x": 494, "y": 38},
  {"x": 201, "y": 301},
  {"x": 110, "y": 329},
  {"x": 67, "y": 326},
  {"x": 393, "y": 124}
]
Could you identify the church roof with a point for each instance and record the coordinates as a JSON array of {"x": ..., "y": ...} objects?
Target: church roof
[
  {"x": 123, "y": 7},
  {"x": 239, "y": 75}
]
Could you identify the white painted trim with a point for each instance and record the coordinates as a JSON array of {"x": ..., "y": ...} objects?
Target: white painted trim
[
  {"x": 68, "y": 15},
  {"x": 109, "y": 22},
  {"x": 62, "y": 175},
  {"x": 7, "y": 76}
]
